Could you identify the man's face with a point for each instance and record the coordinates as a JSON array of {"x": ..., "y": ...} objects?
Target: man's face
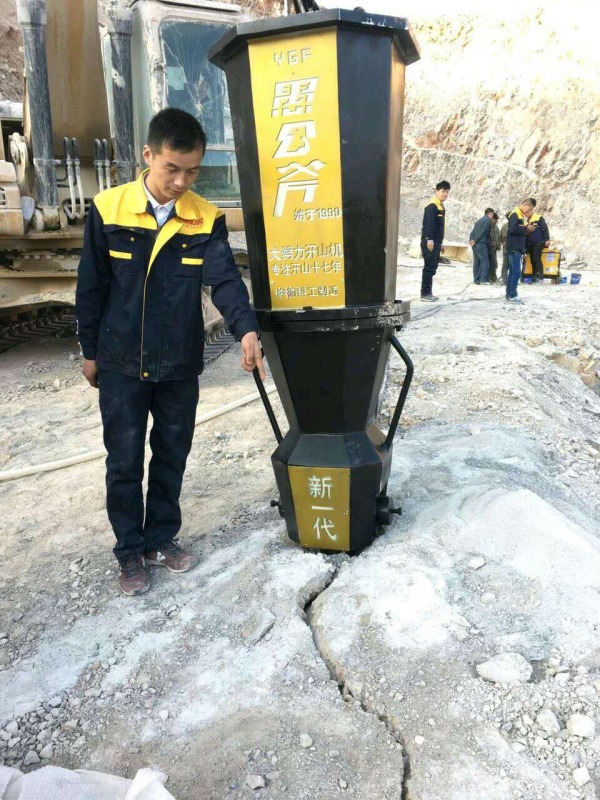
[
  {"x": 526, "y": 209},
  {"x": 171, "y": 172},
  {"x": 490, "y": 215},
  {"x": 442, "y": 194},
  {"x": 494, "y": 221}
]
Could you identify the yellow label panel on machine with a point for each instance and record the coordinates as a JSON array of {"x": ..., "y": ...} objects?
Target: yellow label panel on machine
[
  {"x": 322, "y": 504},
  {"x": 295, "y": 100}
]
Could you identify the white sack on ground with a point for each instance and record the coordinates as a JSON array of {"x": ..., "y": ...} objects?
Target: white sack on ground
[{"x": 56, "y": 783}]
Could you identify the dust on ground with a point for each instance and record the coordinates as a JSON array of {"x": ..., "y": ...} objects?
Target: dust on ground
[{"x": 312, "y": 676}]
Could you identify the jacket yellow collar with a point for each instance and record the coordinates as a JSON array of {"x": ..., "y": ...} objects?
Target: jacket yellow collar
[
  {"x": 534, "y": 218},
  {"x": 519, "y": 213},
  {"x": 185, "y": 207},
  {"x": 437, "y": 202}
]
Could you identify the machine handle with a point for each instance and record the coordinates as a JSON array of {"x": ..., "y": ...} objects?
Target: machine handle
[
  {"x": 403, "y": 392},
  {"x": 267, "y": 404}
]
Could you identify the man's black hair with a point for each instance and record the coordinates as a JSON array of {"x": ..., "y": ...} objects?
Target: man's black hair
[
  {"x": 496, "y": 216},
  {"x": 530, "y": 201},
  {"x": 177, "y": 129},
  {"x": 442, "y": 185},
  {"x": 489, "y": 211}
]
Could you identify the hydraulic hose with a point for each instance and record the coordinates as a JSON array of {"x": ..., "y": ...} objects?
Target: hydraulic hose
[{"x": 92, "y": 455}]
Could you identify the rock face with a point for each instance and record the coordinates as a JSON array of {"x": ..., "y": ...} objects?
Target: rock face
[
  {"x": 404, "y": 630},
  {"x": 506, "y": 108}
]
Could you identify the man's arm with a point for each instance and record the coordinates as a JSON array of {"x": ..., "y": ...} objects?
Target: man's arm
[
  {"x": 230, "y": 295},
  {"x": 93, "y": 282},
  {"x": 516, "y": 227},
  {"x": 545, "y": 231},
  {"x": 429, "y": 218}
]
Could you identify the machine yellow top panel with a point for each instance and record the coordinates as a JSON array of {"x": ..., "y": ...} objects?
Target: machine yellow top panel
[{"x": 295, "y": 100}]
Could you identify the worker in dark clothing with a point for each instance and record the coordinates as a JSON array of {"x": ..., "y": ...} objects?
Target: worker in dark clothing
[
  {"x": 535, "y": 242},
  {"x": 516, "y": 234},
  {"x": 432, "y": 236},
  {"x": 148, "y": 248},
  {"x": 503, "y": 235},
  {"x": 478, "y": 239},
  {"x": 493, "y": 247}
]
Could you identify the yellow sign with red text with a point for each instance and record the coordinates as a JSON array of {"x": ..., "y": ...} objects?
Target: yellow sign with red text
[{"x": 295, "y": 100}]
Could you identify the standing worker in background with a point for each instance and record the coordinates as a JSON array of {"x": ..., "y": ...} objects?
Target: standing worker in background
[
  {"x": 517, "y": 231},
  {"x": 478, "y": 239},
  {"x": 432, "y": 236},
  {"x": 503, "y": 234},
  {"x": 536, "y": 241},
  {"x": 148, "y": 247},
  {"x": 493, "y": 247}
]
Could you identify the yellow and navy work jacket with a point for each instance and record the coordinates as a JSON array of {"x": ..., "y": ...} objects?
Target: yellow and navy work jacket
[
  {"x": 434, "y": 221},
  {"x": 516, "y": 232},
  {"x": 541, "y": 234},
  {"x": 139, "y": 303}
]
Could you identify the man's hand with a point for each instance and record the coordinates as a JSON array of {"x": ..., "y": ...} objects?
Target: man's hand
[
  {"x": 252, "y": 354},
  {"x": 90, "y": 372},
  {"x": 547, "y": 244},
  {"x": 471, "y": 242},
  {"x": 430, "y": 245}
]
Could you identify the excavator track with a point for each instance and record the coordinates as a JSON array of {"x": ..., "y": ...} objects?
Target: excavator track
[{"x": 59, "y": 322}]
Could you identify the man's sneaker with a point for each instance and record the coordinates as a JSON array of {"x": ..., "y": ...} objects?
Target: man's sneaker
[
  {"x": 429, "y": 298},
  {"x": 172, "y": 556},
  {"x": 486, "y": 283},
  {"x": 133, "y": 578},
  {"x": 515, "y": 301}
]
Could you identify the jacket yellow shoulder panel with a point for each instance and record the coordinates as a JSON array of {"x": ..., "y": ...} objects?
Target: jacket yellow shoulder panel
[
  {"x": 125, "y": 205},
  {"x": 196, "y": 213}
]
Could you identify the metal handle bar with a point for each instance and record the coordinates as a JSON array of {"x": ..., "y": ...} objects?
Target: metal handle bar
[
  {"x": 403, "y": 392},
  {"x": 267, "y": 403}
]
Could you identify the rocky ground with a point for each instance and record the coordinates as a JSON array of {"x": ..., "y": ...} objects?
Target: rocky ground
[{"x": 457, "y": 658}]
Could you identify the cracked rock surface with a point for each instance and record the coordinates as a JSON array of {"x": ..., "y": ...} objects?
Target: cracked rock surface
[{"x": 272, "y": 673}]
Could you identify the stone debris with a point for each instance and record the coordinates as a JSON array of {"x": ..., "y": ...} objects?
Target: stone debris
[
  {"x": 505, "y": 668},
  {"x": 581, "y": 776},
  {"x": 581, "y": 725},
  {"x": 477, "y": 563},
  {"x": 255, "y": 781},
  {"x": 260, "y": 627},
  {"x": 306, "y": 741},
  {"x": 548, "y": 721}
]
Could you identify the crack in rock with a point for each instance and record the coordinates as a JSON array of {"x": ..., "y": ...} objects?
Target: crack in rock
[{"x": 311, "y": 593}]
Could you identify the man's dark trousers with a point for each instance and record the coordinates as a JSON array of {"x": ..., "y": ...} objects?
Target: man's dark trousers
[
  {"x": 481, "y": 264},
  {"x": 431, "y": 260},
  {"x": 125, "y": 403},
  {"x": 504, "y": 277},
  {"x": 535, "y": 254},
  {"x": 493, "y": 262}
]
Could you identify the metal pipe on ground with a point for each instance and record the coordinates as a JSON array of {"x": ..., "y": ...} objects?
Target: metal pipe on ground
[{"x": 93, "y": 455}]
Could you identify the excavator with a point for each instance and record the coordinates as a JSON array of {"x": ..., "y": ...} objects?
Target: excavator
[{"x": 95, "y": 74}]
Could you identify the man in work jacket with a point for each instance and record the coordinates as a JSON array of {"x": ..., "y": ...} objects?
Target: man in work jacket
[
  {"x": 478, "y": 239},
  {"x": 516, "y": 234},
  {"x": 148, "y": 248},
  {"x": 536, "y": 241},
  {"x": 432, "y": 236}
]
